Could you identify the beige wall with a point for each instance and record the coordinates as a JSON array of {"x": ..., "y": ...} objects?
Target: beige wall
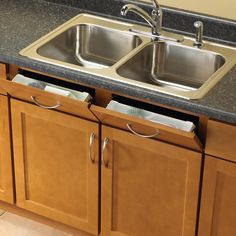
[{"x": 221, "y": 8}]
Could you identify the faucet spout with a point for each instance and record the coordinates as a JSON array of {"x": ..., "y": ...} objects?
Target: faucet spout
[{"x": 154, "y": 21}]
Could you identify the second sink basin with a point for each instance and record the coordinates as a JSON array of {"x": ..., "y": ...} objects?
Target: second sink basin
[{"x": 172, "y": 66}]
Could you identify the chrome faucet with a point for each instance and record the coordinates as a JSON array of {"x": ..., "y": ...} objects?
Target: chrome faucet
[
  {"x": 155, "y": 20},
  {"x": 199, "y": 33}
]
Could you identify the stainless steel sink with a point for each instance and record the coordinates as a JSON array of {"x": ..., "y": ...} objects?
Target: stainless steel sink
[
  {"x": 123, "y": 52},
  {"x": 89, "y": 46},
  {"x": 172, "y": 65}
]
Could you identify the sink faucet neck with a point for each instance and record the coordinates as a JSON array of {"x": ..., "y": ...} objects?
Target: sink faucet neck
[{"x": 155, "y": 20}]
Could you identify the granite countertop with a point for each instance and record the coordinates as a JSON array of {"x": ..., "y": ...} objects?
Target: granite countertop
[{"x": 24, "y": 21}]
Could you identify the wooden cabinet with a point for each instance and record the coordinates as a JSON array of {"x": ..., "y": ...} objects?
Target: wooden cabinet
[
  {"x": 6, "y": 184},
  {"x": 148, "y": 187},
  {"x": 56, "y": 165},
  {"x": 218, "y": 206}
]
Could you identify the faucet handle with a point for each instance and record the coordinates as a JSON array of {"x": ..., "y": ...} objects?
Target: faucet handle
[
  {"x": 199, "y": 33},
  {"x": 157, "y": 12},
  {"x": 156, "y": 5}
]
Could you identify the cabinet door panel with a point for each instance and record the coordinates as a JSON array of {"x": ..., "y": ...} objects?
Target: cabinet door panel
[
  {"x": 149, "y": 188},
  {"x": 218, "y": 207},
  {"x": 54, "y": 174},
  {"x": 71, "y": 106},
  {"x": 6, "y": 186},
  {"x": 146, "y": 127}
]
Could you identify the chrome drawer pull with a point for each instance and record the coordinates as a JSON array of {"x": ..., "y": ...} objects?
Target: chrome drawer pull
[
  {"x": 91, "y": 139},
  {"x": 105, "y": 142},
  {"x": 129, "y": 126},
  {"x": 33, "y": 98}
]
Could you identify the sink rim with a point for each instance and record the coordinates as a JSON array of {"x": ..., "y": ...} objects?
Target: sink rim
[
  {"x": 227, "y": 52},
  {"x": 110, "y": 74}
]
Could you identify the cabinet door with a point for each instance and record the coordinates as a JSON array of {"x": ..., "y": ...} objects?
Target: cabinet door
[
  {"x": 6, "y": 188},
  {"x": 55, "y": 176},
  {"x": 148, "y": 187},
  {"x": 218, "y": 207}
]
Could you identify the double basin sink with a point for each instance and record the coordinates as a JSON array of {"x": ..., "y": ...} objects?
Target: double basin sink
[{"x": 124, "y": 52}]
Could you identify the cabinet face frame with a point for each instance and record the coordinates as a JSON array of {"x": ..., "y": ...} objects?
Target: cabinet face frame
[
  {"x": 22, "y": 111},
  {"x": 6, "y": 175},
  {"x": 218, "y": 203},
  {"x": 221, "y": 141},
  {"x": 193, "y": 160}
]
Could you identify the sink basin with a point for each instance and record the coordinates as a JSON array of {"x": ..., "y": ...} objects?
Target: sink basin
[
  {"x": 173, "y": 66},
  {"x": 87, "y": 43},
  {"x": 89, "y": 46}
]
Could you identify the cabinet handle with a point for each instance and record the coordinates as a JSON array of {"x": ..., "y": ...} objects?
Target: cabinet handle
[
  {"x": 91, "y": 139},
  {"x": 129, "y": 126},
  {"x": 105, "y": 142},
  {"x": 33, "y": 98}
]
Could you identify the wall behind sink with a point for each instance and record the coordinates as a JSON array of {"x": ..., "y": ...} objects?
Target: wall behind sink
[{"x": 223, "y": 9}]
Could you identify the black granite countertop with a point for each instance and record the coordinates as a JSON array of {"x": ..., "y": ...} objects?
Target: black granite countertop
[{"x": 24, "y": 21}]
